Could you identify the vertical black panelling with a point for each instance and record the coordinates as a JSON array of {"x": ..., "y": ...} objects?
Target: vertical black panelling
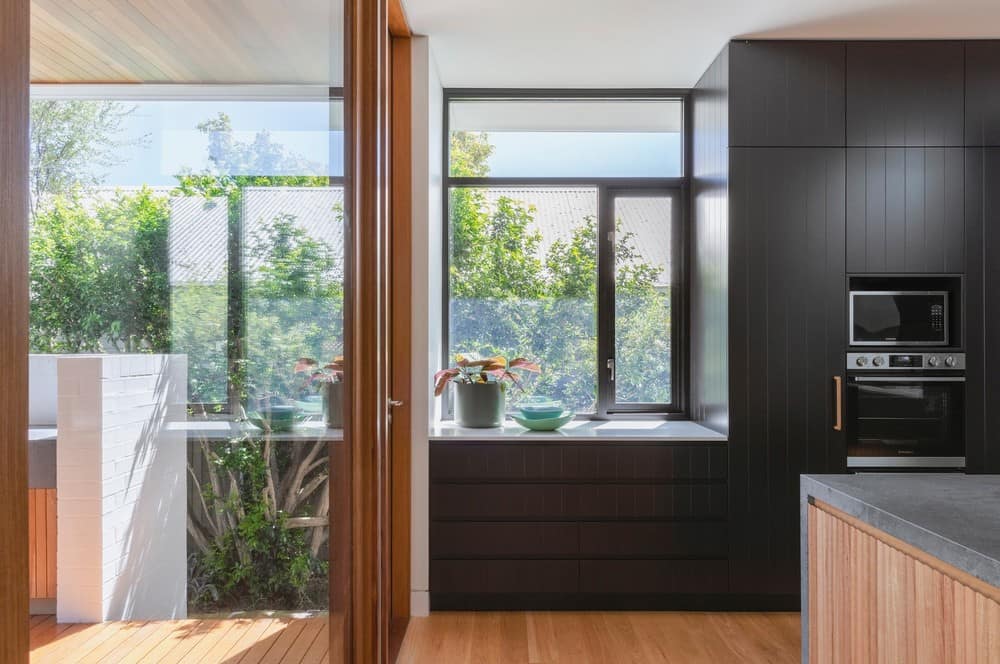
[
  {"x": 982, "y": 93},
  {"x": 983, "y": 307},
  {"x": 905, "y": 210},
  {"x": 787, "y": 93},
  {"x": 787, "y": 338},
  {"x": 709, "y": 247},
  {"x": 905, "y": 94}
]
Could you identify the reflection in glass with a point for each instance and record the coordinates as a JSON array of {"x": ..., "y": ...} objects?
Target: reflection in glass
[{"x": 211, "y": 230}]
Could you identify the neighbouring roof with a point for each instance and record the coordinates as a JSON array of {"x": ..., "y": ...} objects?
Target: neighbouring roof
[{"x": 198, "y": 236}]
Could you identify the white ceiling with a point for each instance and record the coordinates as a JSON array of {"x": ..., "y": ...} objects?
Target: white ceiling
[{"x": 656, "y": 43}]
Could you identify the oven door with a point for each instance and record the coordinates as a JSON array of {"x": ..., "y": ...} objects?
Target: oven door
[{"x": 906, "y": 421}]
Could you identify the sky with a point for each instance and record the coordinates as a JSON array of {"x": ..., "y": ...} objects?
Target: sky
[{"x": 163, "y": 140}]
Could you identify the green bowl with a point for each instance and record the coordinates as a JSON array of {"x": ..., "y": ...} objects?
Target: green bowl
[{"x": 547, "y": 424}]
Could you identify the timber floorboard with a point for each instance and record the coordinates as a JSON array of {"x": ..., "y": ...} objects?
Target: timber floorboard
[
  {"x": 214, "y": 641},
  {"x": 602, "y": 638}
]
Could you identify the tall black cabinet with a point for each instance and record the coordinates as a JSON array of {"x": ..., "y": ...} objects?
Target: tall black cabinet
[{"x": 787, "y": 329}]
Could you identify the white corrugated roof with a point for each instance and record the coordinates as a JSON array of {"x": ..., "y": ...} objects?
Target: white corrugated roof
[{"x": 198, "y": 235}]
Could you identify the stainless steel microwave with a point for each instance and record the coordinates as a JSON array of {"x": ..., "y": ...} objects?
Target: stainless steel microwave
[{"x": 899, "y": 318}]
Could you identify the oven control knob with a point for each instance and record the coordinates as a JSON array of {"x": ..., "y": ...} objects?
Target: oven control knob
[
  {"x": 878, "y": 360},
  {"x": 861, "y": 361},
  {"x": 934, "y": 360},
  {"x": 949, "y": 361}
]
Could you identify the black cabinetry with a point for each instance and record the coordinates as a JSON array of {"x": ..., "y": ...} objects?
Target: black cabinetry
[
  {"x": 786, "y": 93},
  {"x": 982, "y": 93},
  {"x": 905, "y": 210},
  {"x": 905, "y": 93},
  {"x": 577, "y": 525},
  {"x": 786, "y": 343},
  {"x": 982, "y": 279}
]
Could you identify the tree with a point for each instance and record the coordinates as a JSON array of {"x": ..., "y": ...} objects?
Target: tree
[
  {"x": 71, "y": 140},
  {"x": 98, "y": 275},
  {"x": 508, "y": 299}
]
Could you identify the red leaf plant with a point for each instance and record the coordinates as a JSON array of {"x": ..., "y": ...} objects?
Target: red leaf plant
[
  {"x": 490, "y": 370},
  {"x": 328, "y": 373}
]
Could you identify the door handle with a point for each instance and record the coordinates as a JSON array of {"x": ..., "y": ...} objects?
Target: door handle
[
  {"x": 395, "y": 403},
  {"x": 838, "y": 388}
]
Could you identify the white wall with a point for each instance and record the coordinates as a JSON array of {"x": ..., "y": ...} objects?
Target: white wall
[
  {"x": 42, "y": 390},
  {"x": 428, "y": 240},
  {"x": 122, "y": 488}
]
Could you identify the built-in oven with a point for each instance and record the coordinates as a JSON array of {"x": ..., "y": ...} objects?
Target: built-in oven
[
  {"x": 899, "y": 318},
  {"x": 905, "y": 410}
]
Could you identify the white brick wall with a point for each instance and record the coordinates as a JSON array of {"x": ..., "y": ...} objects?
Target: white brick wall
[{"x": 121, "y": 480}]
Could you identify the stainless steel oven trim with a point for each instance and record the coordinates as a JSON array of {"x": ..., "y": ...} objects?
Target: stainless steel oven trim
[
  {"x": 850, "y": 319},
  {"x": 908, "y": 379},
  {"x": 906, "y": 462}
]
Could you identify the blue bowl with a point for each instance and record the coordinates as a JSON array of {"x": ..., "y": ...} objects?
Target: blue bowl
[{"x": 541, "y": 410}]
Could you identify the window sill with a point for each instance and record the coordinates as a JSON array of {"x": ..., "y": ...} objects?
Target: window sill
[{"x": 586, "y": 431}]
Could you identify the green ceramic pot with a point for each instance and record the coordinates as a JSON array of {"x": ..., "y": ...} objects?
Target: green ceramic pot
[{"x": 479, "y": 405}]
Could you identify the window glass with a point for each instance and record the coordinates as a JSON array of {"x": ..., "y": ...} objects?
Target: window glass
[
  {"x": 568, "y": 137},
  {"x": 643, "y": 340},
  {"x": 523, "y": 282}
]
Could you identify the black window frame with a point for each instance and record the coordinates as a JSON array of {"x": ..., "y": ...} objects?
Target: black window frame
[{"x": 607, "y": 188}]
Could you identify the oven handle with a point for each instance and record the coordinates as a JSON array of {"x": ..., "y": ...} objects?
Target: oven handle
[
  {"x": 908, "y": 379},
  {"x": 838, "y": 425}
]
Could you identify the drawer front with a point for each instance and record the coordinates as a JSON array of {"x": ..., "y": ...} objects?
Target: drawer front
[
  {"x": 624, "y": 577},
  {"x": 639, "y": 540},
  {"x": 503, "y": 540},
  {"x": 576, "y": 462},
  {"x": 553, "y": 502},
  {"x": 504, "y": 576}
]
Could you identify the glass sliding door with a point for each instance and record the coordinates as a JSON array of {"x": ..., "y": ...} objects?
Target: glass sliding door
[{"x": 188, "y": 280}]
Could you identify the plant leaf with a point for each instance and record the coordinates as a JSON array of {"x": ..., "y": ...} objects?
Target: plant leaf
[
  {"x": 442, "y": 378},
  {"x": 525, "y": 365},
  {"x": 304, "y": 364}
]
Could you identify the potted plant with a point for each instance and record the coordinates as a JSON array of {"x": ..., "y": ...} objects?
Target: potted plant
[
  {"x": 481, "y": 387},
  {"x": 331, "y": 378}
]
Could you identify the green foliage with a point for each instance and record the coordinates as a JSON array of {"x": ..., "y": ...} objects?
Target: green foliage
[
  {"x": 508, "y": 299},
  {"x": 262, "y": 563},
  {"x": 99, "y": 273},
  {"x": 99, "y": 278}
]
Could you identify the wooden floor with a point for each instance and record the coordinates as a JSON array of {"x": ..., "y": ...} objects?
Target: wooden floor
[
  {"x": 249, "y": 641},
  {"x": 602, "y": 638},
  {"x": 443, "y": 638}
]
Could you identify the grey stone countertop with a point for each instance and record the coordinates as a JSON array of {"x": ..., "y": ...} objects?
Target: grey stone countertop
[
  {"x": 585, "y": 430},
  {"x": 951, "y": 516}
]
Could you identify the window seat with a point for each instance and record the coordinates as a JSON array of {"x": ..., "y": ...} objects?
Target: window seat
[{"x": 585, "y": 431}]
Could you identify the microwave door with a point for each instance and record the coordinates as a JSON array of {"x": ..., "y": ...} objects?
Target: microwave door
[{"x": 899, "y": 318}]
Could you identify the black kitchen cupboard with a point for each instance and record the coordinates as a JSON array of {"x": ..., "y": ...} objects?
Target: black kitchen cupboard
[
  {"x": 982, "y": 297},
  {"x": 982, "y": 93},
  {"x": 905, "y": 93},
  {"x": 786, "y": 93},
  {"x": 578, "y": 525},
  {"x": 786, "y": 344},
  {"x": 905, "y": 210}
]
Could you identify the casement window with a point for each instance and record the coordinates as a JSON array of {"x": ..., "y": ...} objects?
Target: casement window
[{"x": 565, "y": 242}]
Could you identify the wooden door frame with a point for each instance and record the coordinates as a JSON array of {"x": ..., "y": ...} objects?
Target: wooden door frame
[
  {"x": 377, "y": 242},
  {"x": 14, "y": 100},
  {"x": 400, "y": 317}
]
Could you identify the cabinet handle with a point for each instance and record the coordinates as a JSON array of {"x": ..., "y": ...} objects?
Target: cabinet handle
[{"x": 838, "y": 425}]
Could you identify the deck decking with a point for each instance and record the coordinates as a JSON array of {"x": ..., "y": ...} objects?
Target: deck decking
[{"x": 215, "y": 641}]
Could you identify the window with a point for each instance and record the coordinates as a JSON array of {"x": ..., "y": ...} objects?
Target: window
[
  {"x": 565, "y": 243},
  {"x": 224, "y": 214}
]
